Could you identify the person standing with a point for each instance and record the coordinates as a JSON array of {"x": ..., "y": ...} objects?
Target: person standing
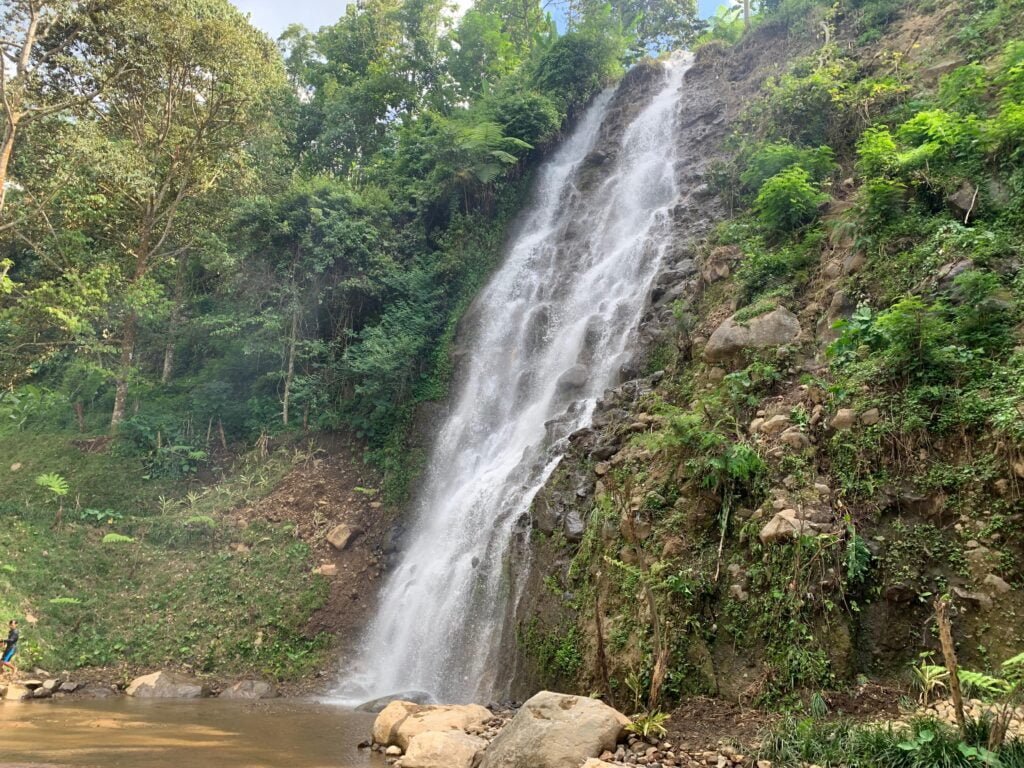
[{"x": 11, "y": 646}]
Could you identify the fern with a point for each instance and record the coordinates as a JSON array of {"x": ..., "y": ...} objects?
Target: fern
[
  {"x": 54, "y": 483},
  {"x": 985, "y": 685}
]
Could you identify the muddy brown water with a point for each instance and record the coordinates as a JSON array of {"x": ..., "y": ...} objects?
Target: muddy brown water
[{"x": 124, "y": 733}]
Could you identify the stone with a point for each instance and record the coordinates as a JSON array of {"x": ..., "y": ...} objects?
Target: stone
[
  {"x": 377, "y": 705},
  {"x": 996, "y": 584},
  {"x": 774, "y": 425},
  {"x": 755, "y": 425},
  {"x": 400, "y": 721},
  {"x": 595, "y": 763},
  {"x": 870, "y": 417},
  {"x": 249, "y": 689},
  {"x": 574, "y": 378},
  {"x": 165, "y": 685},
  {"x": 443, "y": 749},
  {"x": 795, "y": 439},
  {"x": 717, "y": 264},
  {"x": 42, "y": 693},
  {"x": 787, "y": 525},
  {"x": 737, "y": 592},
  {"x": 772, "y": 329},
  {"x": 554, "y": 730},
  {"x": 16, "y": 466},
  {"x": 32, "y": 684},
  {"x": 393, "y": 751},
  {"x": 68, "y": 687},
  {"x": 1018, "y": 469},
  {"x": 342, "y": 535},
  {"x": 16, "y": 692},
  {"x": 845, "y": 418},
  {"x": 602, "y": 468},
  {"x": 574, "y": 527},
  {"x": 963, "y": 201},
  {"x": 326, "y": 569},
  {"x": 51, "y": 685}
]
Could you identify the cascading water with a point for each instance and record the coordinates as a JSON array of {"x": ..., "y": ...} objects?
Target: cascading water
[{"x": 553, "y": 329}]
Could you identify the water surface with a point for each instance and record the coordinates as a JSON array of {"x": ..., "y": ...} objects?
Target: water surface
[{"x": 125, "y": 733}]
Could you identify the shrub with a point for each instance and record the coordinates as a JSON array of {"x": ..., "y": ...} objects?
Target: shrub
[
  {"x": 577, "y": 66},
  {"x": 877, "y": 152},
  {"x": 526, "y": 115},
  {"x": 788, "y": 201},
  {"x": 771, "y": 159}
]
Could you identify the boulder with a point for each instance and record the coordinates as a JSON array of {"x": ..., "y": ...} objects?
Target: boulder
[
  {"x": 400, "y": 721},
  {"x": 554, "y": 730},
  {"x": 870, "y": 417},
  {"x": 249, "y": 689},
  {"x": 773, "y": 329},
  {"x": 32, "y": 684},
  {"x": 845, "y": 418},
  {"x": 795, "y": 439},
  {"x": 377, "y": 705},
  {"x": 443, "y": 749},
  {"x": 341, "y": 536},
  {"x": 996, "y": 585},
  {"x": 68, "y": 686},
  {"x": 574, "y": 378},
  {"x": 963, "y": 201},
  {"x": 16, "y": 692},
  {"x": 42, "y": 693},
  {"x": 774, "y": 425},
  {"x": 165, "y": 685},
  {"x": 787, "y": 525}
]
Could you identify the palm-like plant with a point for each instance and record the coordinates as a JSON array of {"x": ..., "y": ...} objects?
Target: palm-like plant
[{"x": 58, "y": 488}]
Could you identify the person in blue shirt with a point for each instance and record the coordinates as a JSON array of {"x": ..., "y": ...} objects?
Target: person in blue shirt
[{"x": 11, "y": 646}]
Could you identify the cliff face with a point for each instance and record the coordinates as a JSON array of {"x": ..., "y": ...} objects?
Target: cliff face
[{"x": 752, "y": 513}]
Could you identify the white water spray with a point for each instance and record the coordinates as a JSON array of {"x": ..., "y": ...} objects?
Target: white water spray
[{"x": 553, "y": 328}]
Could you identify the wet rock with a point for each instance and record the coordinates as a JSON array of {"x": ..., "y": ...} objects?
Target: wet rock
[
  {"x": 249, "y": 689},
  {"x": 68, "y": 686},
  {"x": 443, "y": 749},
  {"x": 42, "y": 693},
  {"x": 16, "y": 692},
  {"x": 400, "y": 721},
  {"x": 340, "y": 536},
  {"x": 165, "y": 685},
  {"x": 773, "y": 329},
  {"x": 574, "y": 527},
  {"x": 574, "y": 378},
  {"x": 554, "y": 730},
  {"x": 377, "y": 705}
]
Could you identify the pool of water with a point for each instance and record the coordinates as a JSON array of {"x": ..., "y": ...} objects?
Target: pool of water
[{"x": 125, "y": 733}]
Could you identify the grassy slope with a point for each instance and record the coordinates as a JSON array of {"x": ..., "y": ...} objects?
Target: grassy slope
[{"x": 194, "y": 588}]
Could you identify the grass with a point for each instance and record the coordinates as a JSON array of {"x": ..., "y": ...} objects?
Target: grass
[{"x": 181, "y": 584}]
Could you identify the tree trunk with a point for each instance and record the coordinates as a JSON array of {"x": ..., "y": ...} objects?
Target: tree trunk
[
  {"x": 121, "y": 382},
  {"x": 175, "y": 321},
  {"x": 290, "y": 373},
  {"x": 6, "y": 149},
  {"x": 949, "y": 656},
  {"x": 746, "y": 14}
]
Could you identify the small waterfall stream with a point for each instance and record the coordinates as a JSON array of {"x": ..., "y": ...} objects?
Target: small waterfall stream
[{"x": 549, "y": 333}]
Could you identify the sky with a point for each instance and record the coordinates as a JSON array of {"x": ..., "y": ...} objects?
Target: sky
[{"x": 272, "y": 16}]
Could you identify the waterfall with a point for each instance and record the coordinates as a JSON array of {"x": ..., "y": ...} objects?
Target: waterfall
[{"x": 550, "y": 332}]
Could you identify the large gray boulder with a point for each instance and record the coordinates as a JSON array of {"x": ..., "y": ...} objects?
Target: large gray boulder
[
  {"x": 772, "y": 329},
  {"x": 554, "y": 730},
  {"x": 443, "y": 749},
  {"x": 165, "y": 685}
]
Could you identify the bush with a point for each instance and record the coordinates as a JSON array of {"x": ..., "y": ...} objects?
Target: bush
[
  {"x": 577, "y": 66},
  {"x": 771, "y": 159},
  {"x": 788, "y": 201}
]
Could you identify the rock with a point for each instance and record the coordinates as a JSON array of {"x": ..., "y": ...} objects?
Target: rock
[
  {"x": 574, "y": 378},
  {"x": 68, "y": 687},
  {"x": 16, "y": 692},
  {"x": 996, "y": 584},
  {"x": 249, "y": 689},
  {"x": 32, "y": 684},
  {"x": 574, "y": 526},
  {"x": 554, "y": 730},
  {"x": 602, "y": 468},
  {"x": 963, "y": 202},
  {"x": 795, "y": 439},
  {"x": 342, "y": 535},
  {"x": 774, "y": 425},
  {"x": 42, "y": 693},
  {"x": 165, "y": 685},
  {"x": 16, "y": 466},
  {"x": 393, "y": 751},
  {"x": 755, "y": 425},
  {"x": 51, "y": 685},
  {"x": 870, "y": 417},
  {"x": 377, "y": 705},
  {"x": 595, "y": 763},
  {"x": 717, "y": 264},
  {"x": 326, "y": 569},
  {"x": 737, "y": 592},
  {"x": 1018, "y": 469},
  {"x": 443, "y": 749},
  {"x": 845, "y": 418},
  {"x": 787, "y": 525},
  {"x": 773, "y": 329},
  {"x": 400, "y": 721}
]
